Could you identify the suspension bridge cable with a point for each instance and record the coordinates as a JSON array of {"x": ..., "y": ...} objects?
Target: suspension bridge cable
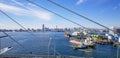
[
  {"x": 78, "y": 14},
  {"x": 20, "y": 26},
  {"x": 3, "y": 36},
  {"x": 68, "y": 19},
  {"x": 16, "y": 23},
  {"x": 118, "y": 47},
  {"x": 13, "y": 39},
  {"x": 56, "y": 14},
  {"x": 82, "y": 17},
  {"x": 49, "y": 47},
  {"x": 12, "y": 19},
  {"x": 54, "y": 49}
]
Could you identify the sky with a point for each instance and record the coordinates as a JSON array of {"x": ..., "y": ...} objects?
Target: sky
[{"x": 105, "y": 12}]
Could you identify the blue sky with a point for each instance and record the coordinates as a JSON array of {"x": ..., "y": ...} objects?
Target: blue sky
[{"x": 106, "y": 12}]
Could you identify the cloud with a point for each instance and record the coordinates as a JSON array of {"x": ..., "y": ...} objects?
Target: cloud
[
  {"x": 22, "y": 5},
  {"x": 11, "y": 8},
  {"x": 116, "y": 7},
  {"x": 40, "y": 14},
  {"x": 17, "y": 2},
  {"x": 79, "y": 2},
  {"x": 30, "y": 4}
]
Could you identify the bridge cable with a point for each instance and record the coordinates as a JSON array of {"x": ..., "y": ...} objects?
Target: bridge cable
[
  {"x": 56, "y": 14},
  {"x": 78, "y": 14}
]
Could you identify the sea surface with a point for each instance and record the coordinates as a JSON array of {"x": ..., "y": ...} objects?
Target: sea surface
[{"x": 37, "y": 43}]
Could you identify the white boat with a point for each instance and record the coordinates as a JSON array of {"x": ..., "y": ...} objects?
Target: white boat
[{"x": 4, "y": 50}]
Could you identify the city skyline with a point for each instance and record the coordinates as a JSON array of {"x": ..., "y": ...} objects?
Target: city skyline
[{"x": 106, "y": 12}]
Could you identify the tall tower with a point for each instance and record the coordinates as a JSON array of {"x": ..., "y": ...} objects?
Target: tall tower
[{"x": 43, "y": 27}]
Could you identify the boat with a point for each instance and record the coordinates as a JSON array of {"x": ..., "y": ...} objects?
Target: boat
[
  {"x": 85, "y": 44},
  {"x": 4, "y": 50},
  {"x": 79, "y": 40}
]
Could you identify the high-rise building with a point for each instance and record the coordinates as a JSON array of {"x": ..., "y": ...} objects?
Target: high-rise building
[{"x": 43, "y": 27}]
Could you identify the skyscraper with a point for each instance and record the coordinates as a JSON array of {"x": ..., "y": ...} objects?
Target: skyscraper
[{"x": 43, "y": 28}]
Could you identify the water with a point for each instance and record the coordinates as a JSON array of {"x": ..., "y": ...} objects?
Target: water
[{"x": 38, "y": 45}]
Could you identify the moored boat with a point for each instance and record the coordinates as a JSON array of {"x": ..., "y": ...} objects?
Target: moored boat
[{"x": 79, "y": 40}]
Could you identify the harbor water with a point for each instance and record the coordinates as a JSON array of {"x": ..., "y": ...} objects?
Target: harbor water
[{"x": 37, "y": 44}]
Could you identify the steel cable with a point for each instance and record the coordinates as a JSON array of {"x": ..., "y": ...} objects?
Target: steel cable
[
  {"x": 78, "y": 14},
  {"x": 56, "y": 14}
]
